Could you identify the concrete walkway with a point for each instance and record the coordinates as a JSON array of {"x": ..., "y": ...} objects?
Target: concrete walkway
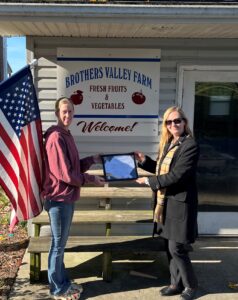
[{"x": 215, "y": 262}]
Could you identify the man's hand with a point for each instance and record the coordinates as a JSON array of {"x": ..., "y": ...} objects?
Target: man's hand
[
  {"x": 99, "y": 180},
  {"x": 140, "y": 157},
  {"x": 97, "y": 159}
]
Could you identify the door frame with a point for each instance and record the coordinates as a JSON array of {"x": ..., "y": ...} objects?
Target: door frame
[
  {"x": 181, "y": 71},
  {"x": 209, "y": 223}
]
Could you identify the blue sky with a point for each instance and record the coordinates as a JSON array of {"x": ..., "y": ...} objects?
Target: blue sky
[{"x": 16, "y": 52}]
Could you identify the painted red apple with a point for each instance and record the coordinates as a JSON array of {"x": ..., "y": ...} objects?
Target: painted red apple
[
  {"x": 138, "y": 98},
  {"x": 77, "y": 97}
]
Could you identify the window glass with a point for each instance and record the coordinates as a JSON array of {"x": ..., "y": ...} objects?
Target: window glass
[{"x": 216, "y": 130}]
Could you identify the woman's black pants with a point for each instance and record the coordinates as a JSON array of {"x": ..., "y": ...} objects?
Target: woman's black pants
[{"x": 181, "y": 269}]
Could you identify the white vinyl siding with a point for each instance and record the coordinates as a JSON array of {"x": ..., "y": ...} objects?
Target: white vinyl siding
[{"x": 173, "y": 53}]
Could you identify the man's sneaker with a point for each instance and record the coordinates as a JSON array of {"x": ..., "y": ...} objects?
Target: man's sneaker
[
  {"x": 70, "y": 294},
  {"x": 77, "y": 287}
]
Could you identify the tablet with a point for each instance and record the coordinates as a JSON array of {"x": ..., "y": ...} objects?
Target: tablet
[{"x": 119, "y": 167}]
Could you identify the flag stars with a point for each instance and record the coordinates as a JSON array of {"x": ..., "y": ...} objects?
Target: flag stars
[{"x": 18, "y": 105}]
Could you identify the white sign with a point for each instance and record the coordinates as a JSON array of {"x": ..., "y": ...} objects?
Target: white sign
[{"x": 115, "y": 91}]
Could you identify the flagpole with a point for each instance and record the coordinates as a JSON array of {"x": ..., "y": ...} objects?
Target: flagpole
[{"x": 33, "y": 64}]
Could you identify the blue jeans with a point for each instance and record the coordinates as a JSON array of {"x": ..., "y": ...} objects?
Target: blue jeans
[{"x": 60, "y": 215}]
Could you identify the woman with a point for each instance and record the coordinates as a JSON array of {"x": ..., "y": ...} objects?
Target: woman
[
  {"x": 63, "y": 177},
  {"x": 175, "y": 195}
]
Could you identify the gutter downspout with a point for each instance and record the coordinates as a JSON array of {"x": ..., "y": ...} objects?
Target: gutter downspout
[
  {"x": 3, "y": 58},
  {"x": 5, "y": 73}
]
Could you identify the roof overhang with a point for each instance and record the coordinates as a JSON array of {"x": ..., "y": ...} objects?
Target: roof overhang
[{"x": 116, "y": 20}]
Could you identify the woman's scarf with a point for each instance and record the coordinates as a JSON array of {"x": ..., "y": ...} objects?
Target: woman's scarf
[
  {"x": 164, "y": 169},
  {"x": 160, "y": 195}
]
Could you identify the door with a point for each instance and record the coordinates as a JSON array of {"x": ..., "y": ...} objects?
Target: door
[{"x": 210, "y": 100}]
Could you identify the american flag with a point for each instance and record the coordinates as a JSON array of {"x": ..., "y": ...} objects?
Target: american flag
[{"x": 21, "y": 147}]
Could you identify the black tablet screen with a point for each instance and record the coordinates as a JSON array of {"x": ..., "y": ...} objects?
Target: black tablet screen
[{"x": 119, "y": 167}]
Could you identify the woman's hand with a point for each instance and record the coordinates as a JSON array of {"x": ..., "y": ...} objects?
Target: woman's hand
[
  {"x": 158, "y": 213},
  {"x": 140, "y": 157},
  {"x": 99, "y": 180},
  {"x": 141, "y": 180}
]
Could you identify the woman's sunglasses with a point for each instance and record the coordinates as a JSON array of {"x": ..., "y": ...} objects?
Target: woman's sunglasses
[{"x": 175, "y": 121}]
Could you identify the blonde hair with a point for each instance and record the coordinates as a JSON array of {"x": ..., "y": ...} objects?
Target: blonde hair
[
  {"x": 63, "y": 100},
  {"x": 166, "y": 136}
]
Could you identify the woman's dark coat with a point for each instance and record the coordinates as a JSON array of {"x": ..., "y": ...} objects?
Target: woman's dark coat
[{"x": 180, "y": 210}]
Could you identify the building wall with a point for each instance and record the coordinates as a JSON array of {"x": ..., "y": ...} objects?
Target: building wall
[{"x": 173, "y": 53}]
